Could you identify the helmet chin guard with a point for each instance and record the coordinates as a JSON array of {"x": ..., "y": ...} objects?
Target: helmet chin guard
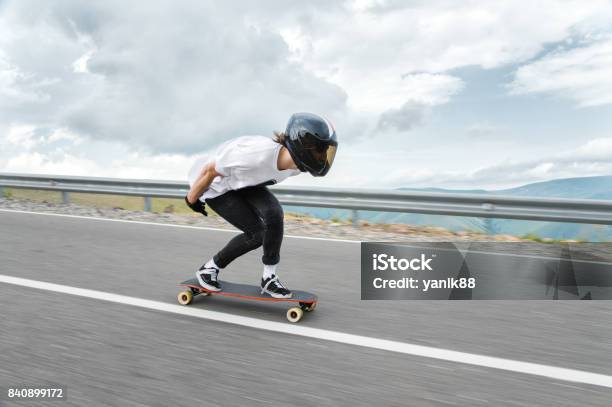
[{"x": 312, "y": 143}]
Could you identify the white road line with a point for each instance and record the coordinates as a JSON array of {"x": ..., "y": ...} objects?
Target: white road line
[
  {"x": 552, "y": 372},
  {"x": 165, "y": 224}
]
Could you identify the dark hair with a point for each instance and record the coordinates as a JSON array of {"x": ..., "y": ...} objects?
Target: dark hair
[{"x": 279, "y": 137}]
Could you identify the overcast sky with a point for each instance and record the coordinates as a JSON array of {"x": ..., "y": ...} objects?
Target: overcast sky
[{"x": 459, "y": 94}]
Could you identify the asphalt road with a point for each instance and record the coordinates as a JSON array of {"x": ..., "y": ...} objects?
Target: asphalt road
[{"x": 115, "y": 354}]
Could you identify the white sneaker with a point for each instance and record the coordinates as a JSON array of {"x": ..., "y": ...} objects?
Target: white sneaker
[
  {"x": 274, "y": 288},
  {"x": 207, "y": 278}
]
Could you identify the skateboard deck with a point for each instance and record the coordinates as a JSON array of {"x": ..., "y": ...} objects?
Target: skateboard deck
[{"x": 303, "y": 300}]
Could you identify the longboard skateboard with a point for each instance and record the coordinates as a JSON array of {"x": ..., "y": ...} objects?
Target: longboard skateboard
[{"x": 303, "y": 301}]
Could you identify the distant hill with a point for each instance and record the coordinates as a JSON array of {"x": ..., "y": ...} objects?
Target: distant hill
[
  {"x": 578, "y": 188},
  {"x": 584, "y": 188}
]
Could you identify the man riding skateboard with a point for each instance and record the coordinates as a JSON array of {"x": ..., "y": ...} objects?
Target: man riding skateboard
[{"x": 233, "y": 182}]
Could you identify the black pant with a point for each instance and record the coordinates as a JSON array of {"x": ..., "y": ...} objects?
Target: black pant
[{"x": 257, "y": 212}]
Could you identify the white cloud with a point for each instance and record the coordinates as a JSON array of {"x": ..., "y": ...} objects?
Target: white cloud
[
  {"x": 356, "y": 168},
  {"x": 64, "y": 134},
  {"x": 22, "y": 136},
  {"x": 373, "y": 44},
  {"x": 403, "y": 169},
  {"x": 483, "y": 129},
  {"x": 19, "y": 87},
  {"x": 599, "y": 149},
  {"x": 589, "y": 159},
  {"x": 80, "y": 65},
  {"x": 35, "y": 162},
  {"x": 110, "y": 87},
  {"x": 388, "y": 55},
  {"x": 145, "y": 166},
  {"x": 160, "y": 78},
  {"x": 113, "y": 160},
  {"x": 404, "y": 118},
  {"x": 378, "y": 93},
  {"x": 30, "y": 137},
  {"x": 108, "y": 70},
  {"x": 582, "y": 74}
]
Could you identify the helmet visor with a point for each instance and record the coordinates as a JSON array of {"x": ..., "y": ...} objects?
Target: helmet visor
[
  {"x": 320, "y": 154},
  {"x": 331, "y": 154}
]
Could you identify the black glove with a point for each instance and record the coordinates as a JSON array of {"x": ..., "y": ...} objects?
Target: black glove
[{"x": 198, "y": 206}]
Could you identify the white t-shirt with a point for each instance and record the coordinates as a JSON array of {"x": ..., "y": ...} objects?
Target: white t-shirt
[{"x": 244, "y": 161}]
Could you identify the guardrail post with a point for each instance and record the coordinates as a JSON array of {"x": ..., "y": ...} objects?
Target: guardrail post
[
  {"x": 147, "y": 204},
  {"x": 66, "y": 197},
  {"x": 355, "y": 218}
]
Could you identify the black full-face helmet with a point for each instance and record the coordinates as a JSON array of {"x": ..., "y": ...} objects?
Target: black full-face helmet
[{"x": 312, "y": 143}]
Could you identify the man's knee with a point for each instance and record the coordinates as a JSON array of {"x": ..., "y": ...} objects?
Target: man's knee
[
  {"x": 255, "y": 237},
  {"x": 273, "y": 217}
]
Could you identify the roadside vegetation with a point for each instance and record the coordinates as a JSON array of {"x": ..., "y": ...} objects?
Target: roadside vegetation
[
  {"x": 536, "y": 238},
  {"x": 129, "y": 203},
  {"x": 177, "y": 206}
]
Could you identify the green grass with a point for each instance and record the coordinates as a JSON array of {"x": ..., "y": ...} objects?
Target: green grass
[{"x": 536, "y": 238}]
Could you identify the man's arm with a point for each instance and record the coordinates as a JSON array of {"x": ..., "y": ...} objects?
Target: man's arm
[{"x": 203, "y": 181}]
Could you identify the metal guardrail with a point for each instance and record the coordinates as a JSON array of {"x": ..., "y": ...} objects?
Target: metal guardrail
[{"x": 473, "y": 205}]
